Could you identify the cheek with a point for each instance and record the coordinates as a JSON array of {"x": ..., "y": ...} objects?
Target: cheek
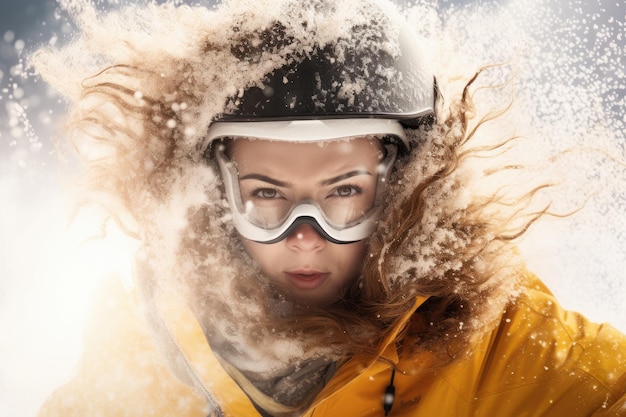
[
  {"x": 355, "y": 256},
  {"x": 261, "y": 253}
]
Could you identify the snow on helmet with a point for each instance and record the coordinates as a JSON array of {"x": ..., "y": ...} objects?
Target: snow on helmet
[
  {"x": 372, "y": 82},
  {"x": 376, "y": 75}
]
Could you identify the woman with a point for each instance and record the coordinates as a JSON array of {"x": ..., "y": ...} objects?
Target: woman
[{"x": 313, "y": 241}]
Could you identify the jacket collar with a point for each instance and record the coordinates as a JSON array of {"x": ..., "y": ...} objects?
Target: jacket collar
[
  {"x": 386, "y": 357},
  {"x": 206, "y": 370}
]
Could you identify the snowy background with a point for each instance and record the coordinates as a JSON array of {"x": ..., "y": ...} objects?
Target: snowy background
[{"x": 48, "y": 269}]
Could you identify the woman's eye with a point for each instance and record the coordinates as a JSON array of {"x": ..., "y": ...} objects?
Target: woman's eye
[
  {"x": 266, "y": 193},
  {"x": 347, "y": 191}
]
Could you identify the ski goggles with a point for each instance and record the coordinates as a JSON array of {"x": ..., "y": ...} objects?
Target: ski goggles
[{"x": 339, "y": 221}]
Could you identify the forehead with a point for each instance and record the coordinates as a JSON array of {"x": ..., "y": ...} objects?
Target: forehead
[{"x": 354, "y": 149}]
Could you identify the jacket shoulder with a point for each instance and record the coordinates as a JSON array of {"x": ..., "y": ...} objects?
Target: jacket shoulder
[{"x": 554, "y": 359}]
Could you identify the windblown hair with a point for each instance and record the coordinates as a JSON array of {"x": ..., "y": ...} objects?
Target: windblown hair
[
  {"x": 436, "y": 241},
  {"x": 472, "y": 268},
  {"x": 139, "y": 124}
]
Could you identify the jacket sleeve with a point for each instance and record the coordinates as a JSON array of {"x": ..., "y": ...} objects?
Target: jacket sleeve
[
  {"x": 121, "y": 372},
  {"x": 540, "y": 361},
  {"x": 597, "y": 353},
  {"x": 555, "y": 362}
]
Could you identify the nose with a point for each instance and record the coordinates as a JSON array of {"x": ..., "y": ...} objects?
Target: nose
[{"x": 305, "y": 238}]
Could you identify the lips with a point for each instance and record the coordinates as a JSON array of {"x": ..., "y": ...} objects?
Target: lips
[{"x": 307, "y": 279}]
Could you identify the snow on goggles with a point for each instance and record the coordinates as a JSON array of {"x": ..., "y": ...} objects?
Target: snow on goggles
[{"x": 336, "y": 220}]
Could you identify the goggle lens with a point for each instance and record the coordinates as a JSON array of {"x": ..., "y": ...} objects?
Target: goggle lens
[
  {"x": 344, "y": 208},
  {"x": 340, "y": 205}
]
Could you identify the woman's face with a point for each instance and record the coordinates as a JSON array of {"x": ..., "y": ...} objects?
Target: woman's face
[{"x": 341, "y": 176}]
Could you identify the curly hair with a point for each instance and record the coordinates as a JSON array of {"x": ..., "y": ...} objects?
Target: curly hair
[
  {"x": 138, "y": 126},
  {"x": 435, "y": 241}
]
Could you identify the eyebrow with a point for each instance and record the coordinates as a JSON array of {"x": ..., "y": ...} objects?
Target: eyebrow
[
  {"x": 278, "y": 183},
  {"x": 265, "y": 178},
  {"x": 329, "y": 181},
  {"x": 342, "y": 177}
]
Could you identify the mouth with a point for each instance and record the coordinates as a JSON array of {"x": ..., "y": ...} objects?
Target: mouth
[{"x": 307, "y": 279}]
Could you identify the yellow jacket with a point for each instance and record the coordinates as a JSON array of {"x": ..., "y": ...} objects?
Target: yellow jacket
[{"x": 539, "y": 361}]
